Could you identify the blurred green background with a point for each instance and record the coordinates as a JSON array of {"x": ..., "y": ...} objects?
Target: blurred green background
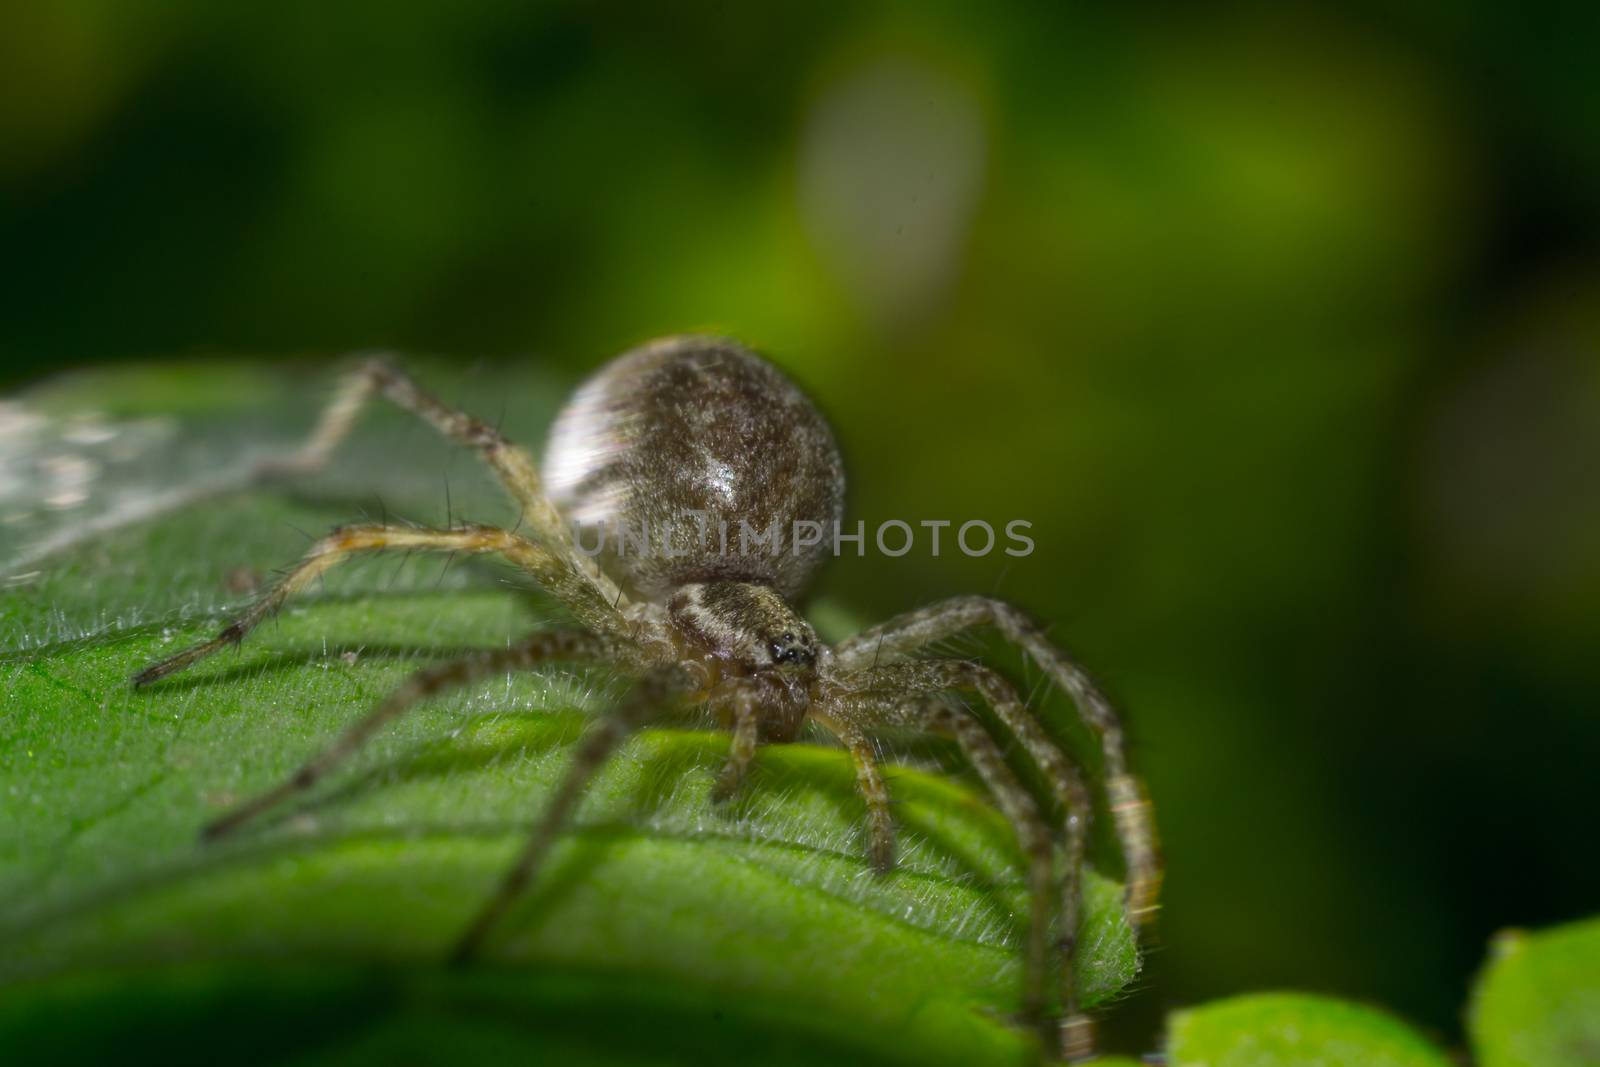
[{"x": 1279, "y": 323}]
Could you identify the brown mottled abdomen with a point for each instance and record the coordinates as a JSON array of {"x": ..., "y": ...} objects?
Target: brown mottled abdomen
[{"x": 680, "y": 436}]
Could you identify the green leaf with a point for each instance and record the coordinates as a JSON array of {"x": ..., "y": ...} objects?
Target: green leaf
[
  {"x": 664, "y": 927},
  {"x": 1295, "y": 1030},
  {"x": 1537, "y": 1002}
]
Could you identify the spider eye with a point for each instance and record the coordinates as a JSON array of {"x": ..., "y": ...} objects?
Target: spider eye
[{"x": 788, "y": 649}]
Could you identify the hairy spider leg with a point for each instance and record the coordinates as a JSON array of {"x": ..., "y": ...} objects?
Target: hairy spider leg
[
  {"x": 1128, "y": 801},
  {"x": 604, "y": 736},
  {"x": 931, "y": 677},
  {"x": 569, "y": 645},
  {"x": 1033, "y": 836},
  {"x": 744, "y": 710},
  {"x": 511, "y": 463},
  {"x": 869, "y": 781},
  {"x": 346, "y": 541},
  {"x": 1016, "y": 804}
]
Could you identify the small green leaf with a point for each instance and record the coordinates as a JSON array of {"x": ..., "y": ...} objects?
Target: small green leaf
[
  {"x": 664, "y": 928},
  {"x": 1295, "y": 1030},
  {"x": 1537, "y": 1002}
]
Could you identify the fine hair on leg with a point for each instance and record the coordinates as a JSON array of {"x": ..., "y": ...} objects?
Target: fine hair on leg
[
  {"x": 931, "y": 677},
  {"x": 511, "y": 463},
  {"x": 744, "y": 712},
  {"x": 1127, "y": 800},
  {"x": 933, "y": 714},
  {"x": 837, "y": 719},
  {"x": 540, "y": 648},
  {"x": 347, "y": 541},
  {"x": 593, "y": 750}
]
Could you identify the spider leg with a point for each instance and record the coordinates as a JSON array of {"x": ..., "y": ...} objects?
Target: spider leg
[
  {"x": 930, "y": 677},
  {"x": 347, "y": 541},
  {"x": 1018, "y": 806},
  {"x": 745, "y": 711},
  {"x": 603, "y": 738},
  {"x": 869, "y": 780},
  {"x": 540, "y": 648},
  {"x": 510, "y": 462},
  {"x": 1127, "y": 800}
]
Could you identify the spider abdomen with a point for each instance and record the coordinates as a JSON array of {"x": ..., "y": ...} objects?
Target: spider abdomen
[{"x": 683, "y": 457}]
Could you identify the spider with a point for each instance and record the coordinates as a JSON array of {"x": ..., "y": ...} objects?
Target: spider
[{"x": 665, "y": 436}]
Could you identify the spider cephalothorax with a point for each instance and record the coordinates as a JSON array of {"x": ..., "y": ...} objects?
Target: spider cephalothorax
[{"x": 684, "y": 452}]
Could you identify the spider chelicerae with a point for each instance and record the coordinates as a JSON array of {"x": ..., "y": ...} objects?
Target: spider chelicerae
[{"x": 679, "y": 435}]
